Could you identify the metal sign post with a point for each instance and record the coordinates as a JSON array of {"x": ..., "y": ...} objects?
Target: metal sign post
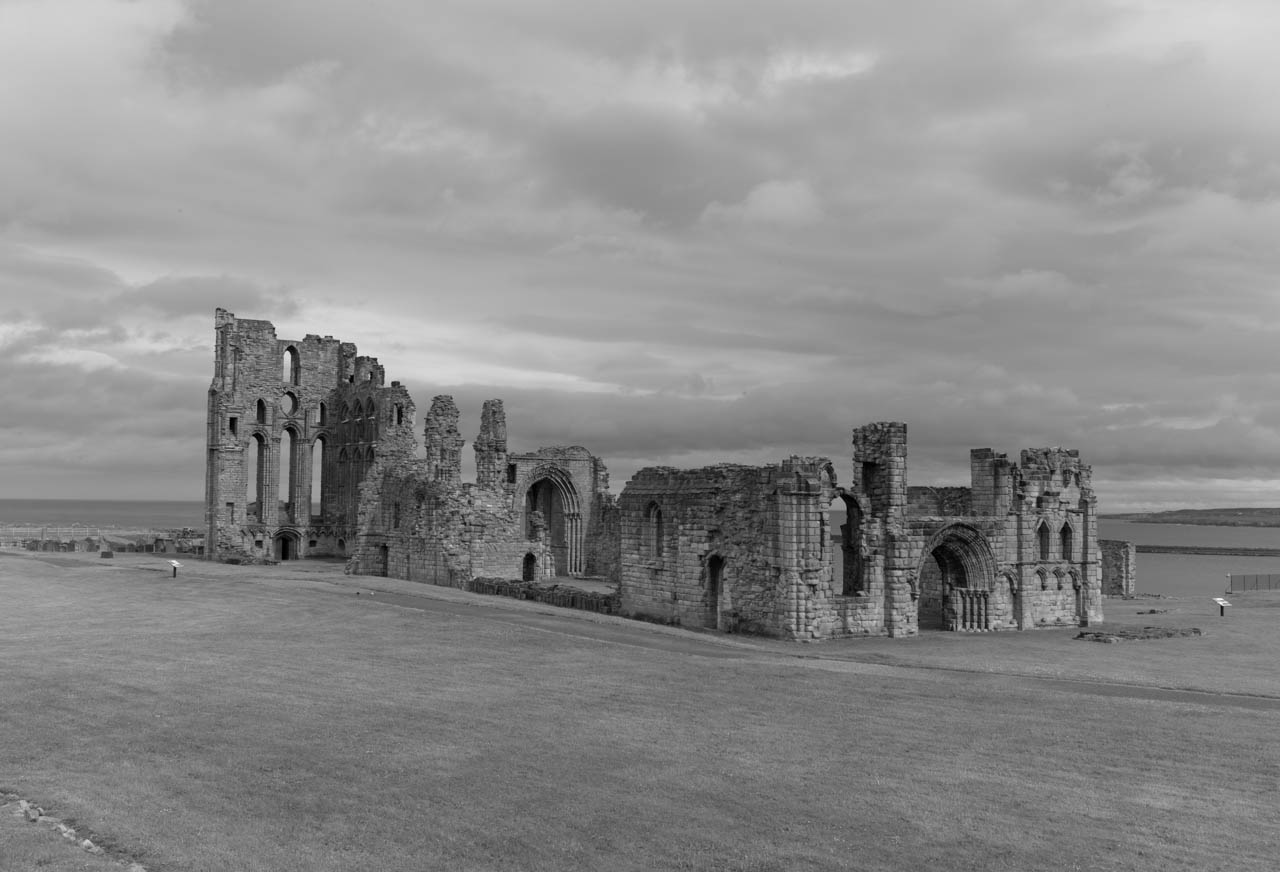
[{"x": 1222, "y": 606}]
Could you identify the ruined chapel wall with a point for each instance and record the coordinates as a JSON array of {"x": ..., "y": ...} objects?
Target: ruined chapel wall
[{"x": 768, "y": 526}]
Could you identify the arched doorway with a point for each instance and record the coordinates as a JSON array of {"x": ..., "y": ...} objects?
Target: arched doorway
[
  {"x": 286, "y": 546},
  {"x": 552, "y": 511},
  {"x": 955, "y": 581},
  {"x": 529, "y": 571},
  {"x": 717, "y": 597}
]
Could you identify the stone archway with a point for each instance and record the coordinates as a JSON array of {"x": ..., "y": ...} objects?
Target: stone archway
[
  {"x": 552, "y": 510},
  {"x": 286, "y": 546},
  {"x": 955, "y": 580}
]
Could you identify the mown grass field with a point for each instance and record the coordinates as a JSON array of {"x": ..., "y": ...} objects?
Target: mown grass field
[{"x": 271, "y": 719}]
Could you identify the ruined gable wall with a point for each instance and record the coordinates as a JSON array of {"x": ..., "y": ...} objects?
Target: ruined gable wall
[
  {"x": 292, "y": 379},
  {"x": 304, "y": 386},
  {"x": 1061, "y": 583}
]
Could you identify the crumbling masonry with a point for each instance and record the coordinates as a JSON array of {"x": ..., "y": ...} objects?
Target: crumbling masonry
[
  {"x": 311, "y": 454},
  {"x": 734, "y": 547}
]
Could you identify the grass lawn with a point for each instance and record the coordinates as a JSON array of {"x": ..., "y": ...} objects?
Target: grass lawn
[{"x": 249, "y": 718}]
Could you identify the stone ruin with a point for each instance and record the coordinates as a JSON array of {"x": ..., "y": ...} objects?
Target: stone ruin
[{"x": 728, "y": 547}]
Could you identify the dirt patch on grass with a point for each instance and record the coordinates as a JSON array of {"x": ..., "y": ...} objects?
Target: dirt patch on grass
[{"x": 1136, "y": 634}]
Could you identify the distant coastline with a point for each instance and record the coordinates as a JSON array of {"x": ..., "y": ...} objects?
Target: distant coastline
[{"x": 1251, "y": 517}]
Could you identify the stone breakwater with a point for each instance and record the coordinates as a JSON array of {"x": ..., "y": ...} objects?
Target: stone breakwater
[{"x": 1210, "y": 550}]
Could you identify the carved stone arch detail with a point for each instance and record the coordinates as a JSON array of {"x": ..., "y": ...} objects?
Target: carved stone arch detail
[{"x": 567, "y": 531}]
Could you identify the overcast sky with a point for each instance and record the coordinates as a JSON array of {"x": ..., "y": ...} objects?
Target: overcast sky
[{"x": 675, "y": 232}]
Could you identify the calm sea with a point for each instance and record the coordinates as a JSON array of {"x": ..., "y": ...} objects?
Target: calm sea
[
  {"x": 123, "y": 514},
  {"x": 1193, "y": 574}
]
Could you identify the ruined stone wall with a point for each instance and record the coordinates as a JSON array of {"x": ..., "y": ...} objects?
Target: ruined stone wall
[
  {"x": 879, "y": 486},
  {"x": 283, "y": 404},
  {"x": 419, "y": 521},
  {"x": 728, "y": 546},
  {"x": 604, "y": 542},
  {"x": 423, "y": 529},
  {"x": 1056, "y": 545},
  {"x": 1119, "y": 567},
  {"x": 940, "y": 501},
  {"x": 566, "y": 486}
]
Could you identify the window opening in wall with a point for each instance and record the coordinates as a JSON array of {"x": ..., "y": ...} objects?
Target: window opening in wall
[
  {"x": 1043, "y": 533},
  {"x": 232, "y": 423},
  {"x": 847, "y": 563},
  {"x": 395, "y": 516},
  {"x": 318, "y": 451},
  {"x": 322, "y": 415},
  {"x": 656, "y": 534},
  {"x": 292, "y": 366},
  {"x": 256, "y": 467},
  {"x": 231, "y": 512},
  {"x": 511, "y": 473},
  {"x": 1066, "y": 542},
  {"x": 311, "y": 544},
  {"x": 289, "y": 403},
  {"x": 288, "y": 465},
  {"x": 399, "y": 414},
  {"x": 262, "y": 412}
]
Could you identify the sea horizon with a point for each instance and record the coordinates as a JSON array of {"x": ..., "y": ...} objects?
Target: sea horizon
[{"x": 107, "y": 514}]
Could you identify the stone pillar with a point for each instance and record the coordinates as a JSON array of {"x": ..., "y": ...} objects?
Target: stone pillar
[
  {"x": 491, "y": 445},
  {"x": 443, "y": 444}
]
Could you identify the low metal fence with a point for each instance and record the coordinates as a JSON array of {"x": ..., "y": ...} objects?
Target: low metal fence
[{"x": 1241, "y": 583}]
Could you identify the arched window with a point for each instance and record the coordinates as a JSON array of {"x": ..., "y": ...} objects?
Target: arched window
[
  {"x": 288, "y": 477},
  {"x": 322, "y": 415},
  {"x": 1065, "y": 537},
  {"x": 256, "y": 469},
  {"x": 1043, "y": 532},
  {"x": 292, "y": 366},
  {"x": 655, "y": 533},
  {"x": 318, "y": 449},
  {"x": 262, "y": 411}
]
